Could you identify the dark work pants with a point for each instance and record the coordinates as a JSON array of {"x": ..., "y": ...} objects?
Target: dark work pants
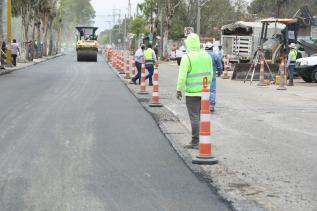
[
  {"x": 138, "y": 75},
  {"x": 193, "y": 108},
  {"x": 14, "y": 59},
  {"x": 150, "y": 69}
]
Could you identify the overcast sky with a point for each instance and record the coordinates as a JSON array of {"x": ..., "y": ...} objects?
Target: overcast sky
[{"x": 104, "y": 8}]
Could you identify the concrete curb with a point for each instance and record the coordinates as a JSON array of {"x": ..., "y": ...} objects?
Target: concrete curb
[
  {"x": 173, "y": 129},
  {"x": 10, "y": 70}
]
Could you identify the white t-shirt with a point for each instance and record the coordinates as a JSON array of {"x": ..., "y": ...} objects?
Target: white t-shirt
[{"x": 14, "y": 48}]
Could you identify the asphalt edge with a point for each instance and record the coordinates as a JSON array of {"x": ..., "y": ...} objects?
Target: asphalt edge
[
  {"x": 8, "y": 71},
  {"x": 197, "y": 170}
]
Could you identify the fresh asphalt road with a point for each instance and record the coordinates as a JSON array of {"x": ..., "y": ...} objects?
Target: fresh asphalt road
[{"x": 72, "y": 137}]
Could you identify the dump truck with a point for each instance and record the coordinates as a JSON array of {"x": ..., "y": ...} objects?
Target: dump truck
[
  {"x": 241, "y": 39},
  {"x": 87, "y": 45}
]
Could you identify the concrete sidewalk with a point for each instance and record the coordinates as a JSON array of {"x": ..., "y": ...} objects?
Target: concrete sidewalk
[{"x": 27, "y": 64}]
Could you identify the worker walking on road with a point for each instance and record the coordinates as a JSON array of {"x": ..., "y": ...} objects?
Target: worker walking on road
[
  {"x": 138, "y": 57},
  {"x": 217, "y": 65},
  {"x": 195, "y": 65},
  {"x": 150, "y": 59},
  {"x": 291, "y": 62}
]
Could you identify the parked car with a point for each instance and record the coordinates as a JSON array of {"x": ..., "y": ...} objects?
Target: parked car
[{"x": 307, "y": 68}]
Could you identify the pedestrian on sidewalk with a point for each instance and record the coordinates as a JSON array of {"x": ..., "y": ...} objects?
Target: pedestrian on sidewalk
[
  {"x": 195, "y": 65},
  {"x": 14, "y": 51},
  {"x": 292, "y": 56},
  {"x": 138, "y": 57},
  {"x": 150, "y": 60},
  {"x": 217, "y": 65}
]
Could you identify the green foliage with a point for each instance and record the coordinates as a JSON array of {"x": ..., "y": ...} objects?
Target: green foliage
[
  {"x": 269, "y": 8},
  {"x": 137, "y": 26}
]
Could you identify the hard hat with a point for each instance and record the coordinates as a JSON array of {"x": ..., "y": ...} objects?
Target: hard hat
[
  {"x": 209, "y": 45},
  {"x": 292, "y": 45}
]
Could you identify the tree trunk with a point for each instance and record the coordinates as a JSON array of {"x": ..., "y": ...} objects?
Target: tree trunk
[
  {"x": 39, "y": 43},
  {"x": 165, "y": 44},
  {"x": 1, "y": 30},
  {"x": 33, "y": 41},
  {"x": 46, "y": 24}
]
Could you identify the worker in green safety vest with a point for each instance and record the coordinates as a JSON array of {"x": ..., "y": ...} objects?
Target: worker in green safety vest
[
  {"x": 150, "y": 59},
  {"x": 291, "y": 62},
  {"x": 195, "y": 65}
]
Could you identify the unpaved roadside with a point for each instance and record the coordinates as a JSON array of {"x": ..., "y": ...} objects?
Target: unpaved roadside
[{"x": 256, "y": 132}]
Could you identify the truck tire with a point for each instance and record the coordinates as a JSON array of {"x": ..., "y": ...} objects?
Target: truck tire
[
  {"x": 314, "y": 75},
  {"x": 306, "y": 79}
]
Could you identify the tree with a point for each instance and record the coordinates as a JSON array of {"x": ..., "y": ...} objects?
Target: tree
[
  {"x": 169, "y": 8},
  {"x": 1, "y": 28}
]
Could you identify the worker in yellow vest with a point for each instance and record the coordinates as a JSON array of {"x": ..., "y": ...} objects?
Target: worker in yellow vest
[
  {"x": 150, "y": 59},
  {"x": 291, "y": 62},
  {"x": 195, "y": 65}
]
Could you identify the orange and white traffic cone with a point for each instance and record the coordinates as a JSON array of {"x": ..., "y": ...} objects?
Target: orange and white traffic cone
[
  {"x": 143, "y": 84},
  {"x": 225, "y": 68},
  {"x": 205, "y": 147},
  {"x": 155, "y": 102},
  {"x": 121, "y": 70},
  {"x": 127, "y": 68},
  {"x": 282, "y": 76},
  {"x": 133, "y": 67}
]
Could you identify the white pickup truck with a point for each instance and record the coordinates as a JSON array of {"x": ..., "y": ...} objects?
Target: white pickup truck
[{"x": 307, "y": 68}]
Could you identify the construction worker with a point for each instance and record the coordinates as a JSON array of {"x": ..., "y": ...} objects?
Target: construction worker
[
  {"x": 221, "y": 56},
  {"x": 291, "y": 62},
  {"x": 217, "y": 65},
  {"x": 138, "y": 57},
  {"x": 150, "y": 59},
  {"x": 195, "y": 65}
]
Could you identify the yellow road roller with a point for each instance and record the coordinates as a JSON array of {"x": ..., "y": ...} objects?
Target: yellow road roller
[{"x": 87, "y": 45}]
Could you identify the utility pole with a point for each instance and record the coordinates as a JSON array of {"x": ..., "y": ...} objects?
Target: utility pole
[
  {"x": 129, "y": 9},
  {"x": 9, "y": 35},
  {"x": 198, "y": 16},
  {"x": 200, "y": 4}
]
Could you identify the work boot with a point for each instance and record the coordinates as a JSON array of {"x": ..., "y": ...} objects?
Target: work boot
[
  {"x": 212, "y": 109},
  {"x": 191, "y": 145},
  {"x": 132, "y": 82},
  {"x": 290, "y": 83}
]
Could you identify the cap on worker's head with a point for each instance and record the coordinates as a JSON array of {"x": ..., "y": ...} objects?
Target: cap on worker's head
[
  {"x": 292, "y": 45},
  {"x": 192, "y": 42},
  {"x": 209, "y": 45}
]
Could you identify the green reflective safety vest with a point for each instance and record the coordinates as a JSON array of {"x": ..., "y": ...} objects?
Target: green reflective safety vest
[
  {"x": 199, "y": 66},
  {"x": 149, "y": 56},
  {"x": 293, "y": 54}
]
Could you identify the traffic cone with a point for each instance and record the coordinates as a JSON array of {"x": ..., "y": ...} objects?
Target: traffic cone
[
  {"x": 205, "y": 148},
  {"x": 143, "y": 84},
  {"x": 261, "y": 82},
  {"x": 225, "y": 68},
  {"x": 127, "y": 68},
  {"x": 121, "y": 70},
  {"x": 155, "y": 102},
  {"x": 133, "y": 67},
  {"x": 282, "y": 76}
]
